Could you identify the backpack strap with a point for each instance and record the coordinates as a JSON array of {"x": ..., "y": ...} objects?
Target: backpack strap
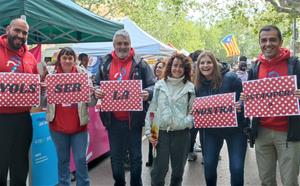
[{"x": 104, "y": 67}]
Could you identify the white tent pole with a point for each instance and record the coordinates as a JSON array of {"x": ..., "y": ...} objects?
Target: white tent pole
[{"x": 24, "y": 18}]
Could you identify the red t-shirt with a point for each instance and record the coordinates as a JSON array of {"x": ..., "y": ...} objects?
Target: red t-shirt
[{"x": 66, "y": 119}]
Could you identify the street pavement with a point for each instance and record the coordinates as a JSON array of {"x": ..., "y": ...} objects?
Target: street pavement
[{"x": 101, "y": 174}]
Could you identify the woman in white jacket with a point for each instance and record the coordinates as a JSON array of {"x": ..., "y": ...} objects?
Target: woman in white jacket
[{"x": 172, "y": 102}]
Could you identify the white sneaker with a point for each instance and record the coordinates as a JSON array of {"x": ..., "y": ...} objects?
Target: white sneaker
[{"x": 197, "y": 149}]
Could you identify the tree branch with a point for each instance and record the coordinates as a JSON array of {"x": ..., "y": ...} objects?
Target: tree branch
[{"x": 280, "y": 8}]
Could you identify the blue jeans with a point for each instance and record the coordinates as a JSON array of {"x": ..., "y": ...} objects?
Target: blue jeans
[
  {"x": 237, "y": 146},
  {"x": 78, "y": 143},
  {"x": 122, "y": 138}
]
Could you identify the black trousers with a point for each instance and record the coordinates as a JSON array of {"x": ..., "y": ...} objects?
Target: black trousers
[
  {"x": 15, "y": 140},
  {"x": 193, "y": 132},
  {"x": 150, "y": 154}
]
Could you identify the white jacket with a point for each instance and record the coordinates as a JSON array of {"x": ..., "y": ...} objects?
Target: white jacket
[{"x": 171, "y": 113}]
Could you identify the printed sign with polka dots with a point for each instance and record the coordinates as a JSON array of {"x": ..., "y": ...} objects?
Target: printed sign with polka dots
[
  {"x": 68, "y": 88},
  {"x": 215, "y": 111},
  {"x": 270, "y": 97},
  {"x": 122, "y": 95},
  {"x": 19, "y": 89}
]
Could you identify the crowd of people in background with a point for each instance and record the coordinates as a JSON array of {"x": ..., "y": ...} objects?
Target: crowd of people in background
[{"x": 168, "y": 90}]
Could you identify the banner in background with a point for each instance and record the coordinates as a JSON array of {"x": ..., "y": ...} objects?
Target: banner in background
[
  {"x": 215, "y": 111},
  {"x": 37, "y": 52},
  {"x": 68, "y": 88},
  {"x": 271, "y": 97},
  {"x": 122, "y": 95},
  {"x": 43, "y": 153},
  {"x": 98, "y": 143},
  {"x": 19, "y": 89}
]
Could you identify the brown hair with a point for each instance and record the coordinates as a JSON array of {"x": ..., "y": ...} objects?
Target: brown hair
[
  {"x": 65, "y": 51},
  {"x": 157, "y": 63},
  {"x": 216, "y": 74},
  {"x": 186, "y": 66}
]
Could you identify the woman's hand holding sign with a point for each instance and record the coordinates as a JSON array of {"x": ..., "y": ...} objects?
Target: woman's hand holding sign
[
  {"x": 43, "y": 88},
  {"x": 237, "y": 106},
  {"x": 240, "y": 102},
  {"x": 242, "y": 97},
  {"x": 145, "y": 95},
  {"x": 297, "y": 93},
  {"x": 99, "y": 94}
]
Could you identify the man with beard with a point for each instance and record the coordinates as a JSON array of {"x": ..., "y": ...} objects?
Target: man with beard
[
  {"x": 15, "y": 122},
  {"x": 125, "y": 128}
]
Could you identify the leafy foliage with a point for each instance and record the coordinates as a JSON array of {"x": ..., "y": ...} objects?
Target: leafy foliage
[{"x": 192, "y": 24}]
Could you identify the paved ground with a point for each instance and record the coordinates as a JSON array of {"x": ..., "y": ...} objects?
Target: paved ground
[{"x": 101, "y": 174}]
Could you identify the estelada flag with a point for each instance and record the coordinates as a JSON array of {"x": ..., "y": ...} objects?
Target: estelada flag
[
  {"x": 122, "y": 95},
  {"x": 67, "y": 88},
  {"x": 230, "y": 45},
  {"x": 271, "y": 97},
  {"x": 215, "y": 111},
  {"x": 19, "y": 89}
]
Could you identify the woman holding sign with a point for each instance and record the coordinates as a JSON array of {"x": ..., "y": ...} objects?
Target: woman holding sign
[
  {"x": 215, "y": 78},
  {"x": 171, "y": 105},
  {"x": 68, "y": 124}
]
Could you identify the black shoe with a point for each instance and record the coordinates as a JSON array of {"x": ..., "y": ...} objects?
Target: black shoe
[
  {"x": 126, "y": 166},
  {"x": 127, "y": 162},
  {"x": 148, "y": 164},
  {"x": 192, "y": 156},
  {"x": 73, "y": 176}
]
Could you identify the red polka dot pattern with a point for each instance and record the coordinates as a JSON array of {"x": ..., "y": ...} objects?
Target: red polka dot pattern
[
  {"x": 271, "y": 97},
  {"x": 215, "y": 111},
  {"x": 75, "y": 96},
  {"x": 114, "y": 99},
  {"x": 8, "y": 99}
]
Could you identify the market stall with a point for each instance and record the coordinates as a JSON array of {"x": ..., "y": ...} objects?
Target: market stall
[{"x": 142, "y": 42}]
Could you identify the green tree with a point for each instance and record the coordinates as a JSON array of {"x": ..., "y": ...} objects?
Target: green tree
[{"x": 194, "y": 24}]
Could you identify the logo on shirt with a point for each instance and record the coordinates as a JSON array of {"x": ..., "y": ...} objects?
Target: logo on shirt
[
  {"x": 14, "y": 63},
  {"x": 119, "y": 75},
  {"x": 272, "y": 74}
]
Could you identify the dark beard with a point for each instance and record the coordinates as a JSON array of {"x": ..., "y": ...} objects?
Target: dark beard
[{"x": 11, "y": 42}]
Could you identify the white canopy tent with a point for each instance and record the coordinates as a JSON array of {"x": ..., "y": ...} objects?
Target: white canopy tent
[{"x": 141, "y": 41}]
